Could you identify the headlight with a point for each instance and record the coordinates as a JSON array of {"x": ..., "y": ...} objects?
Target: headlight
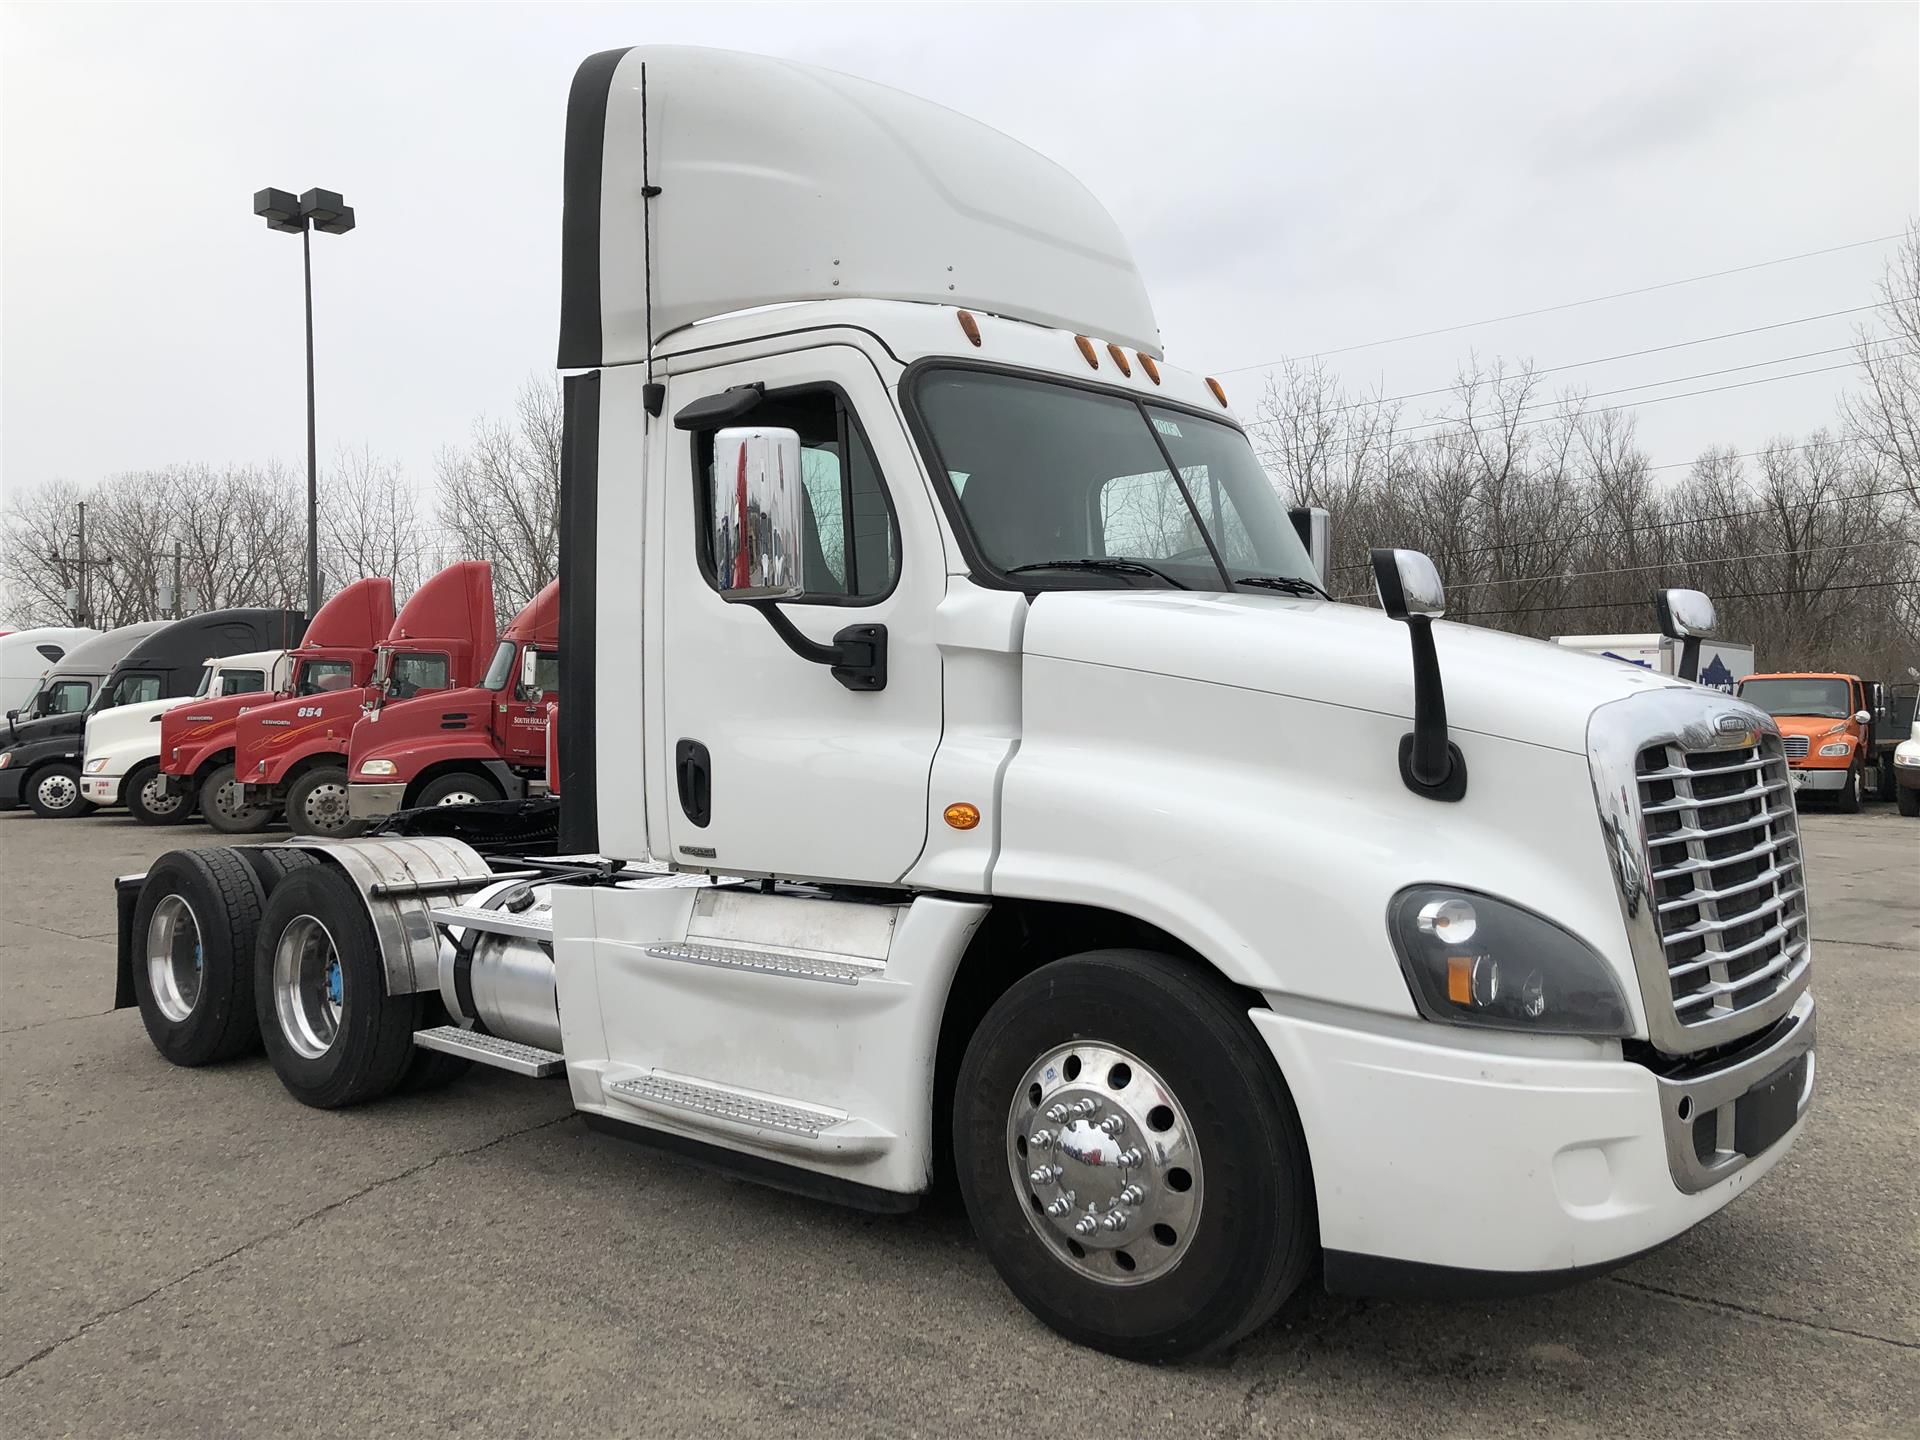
[
  {"x": 1898, "y": 759},
  {"x": 377, "y": 767},
  {"x": 6, "y": 758},
  {"x": 94, "y": 767},
  {"x": 1839, "y": 749},
  {"x": 1473, "y": 960}
]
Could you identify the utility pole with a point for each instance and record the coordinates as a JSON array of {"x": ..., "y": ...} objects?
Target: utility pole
[
  {"x": 82, "y": 607},
  {"x": 177, "y": 601}
]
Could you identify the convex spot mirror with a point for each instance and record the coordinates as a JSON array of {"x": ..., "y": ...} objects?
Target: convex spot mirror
[
  {"x": 1408, "y": 584},
  {"x": 1863, "y": 717},
  {"x": 529, "y": 669},
  {"x": 758, "y": 508},
  {"x": 1685, "y": 614}
]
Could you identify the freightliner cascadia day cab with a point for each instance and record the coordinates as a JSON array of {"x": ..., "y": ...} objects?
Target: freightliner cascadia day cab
[
  {"x": 164, "y": 660},
  {"x": 336, "y": 653},
  {"x": 26, "y": 655},
  {"x": 121, "y": 757},
  {"x": 293, "y": 753},
  {"x": 982, "y": 782},
  {"x": 465, "y": 747}
]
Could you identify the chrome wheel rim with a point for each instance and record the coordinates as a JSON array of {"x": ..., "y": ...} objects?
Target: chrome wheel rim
[
  {"x": 174, "y": 958},
  {"x": 156, "y": 799},
  {"x": 309, "y": 987},
  {"x": 226, "y": 800},
  {"x": 325, "y": 807},
  {"x": 57, "y": 792},
  {"x": 458, "y": 797},
  {"x": 1103, "y": 1159}
]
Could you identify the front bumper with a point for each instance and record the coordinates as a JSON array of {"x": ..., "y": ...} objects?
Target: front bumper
[
  {"x": 10, "y": 788},
  {"x": 1435, "y": 1156},
  {"x": 1907, "y": 777},
  {"x": 101, "y": 789},
  {"x": 1823, "y": 780},
  {"x": 367, "y": 801}
]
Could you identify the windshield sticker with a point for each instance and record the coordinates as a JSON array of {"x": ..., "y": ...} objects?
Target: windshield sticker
[{"x": 1167, "y": 427}]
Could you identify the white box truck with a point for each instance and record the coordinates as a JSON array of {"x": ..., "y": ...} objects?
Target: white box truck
[
  {"x": 963, "y": 773},
  {"x": 1723, "y": 663}
]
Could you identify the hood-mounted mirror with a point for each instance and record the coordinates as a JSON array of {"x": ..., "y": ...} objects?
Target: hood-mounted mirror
[
  {"x": 1686, "y": 616},
  {"x": 1410, "y": 592}
]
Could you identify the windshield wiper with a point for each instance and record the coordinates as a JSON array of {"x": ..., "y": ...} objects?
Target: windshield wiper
[
  {"x": 1121, "y": 567},
  {"x": 1286, "y": 584}
]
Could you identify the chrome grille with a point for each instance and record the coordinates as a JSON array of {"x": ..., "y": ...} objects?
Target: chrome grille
[
  {"x": 1724, "y": 865},
  {"x": 1797, "y": 747}
]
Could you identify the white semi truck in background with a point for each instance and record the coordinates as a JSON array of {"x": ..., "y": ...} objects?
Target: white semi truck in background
[{"x": 962, "y": 772}]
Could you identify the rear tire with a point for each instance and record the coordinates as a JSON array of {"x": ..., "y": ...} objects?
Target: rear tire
[
  {"x": 333, "y": 1033},
  {"x": 1217, "y": 1219},
  {"x": 317, "y": 805},
  {"x": 194, "y": 932},
  {"x": 220, "y": 807},
  {"x": 151, "y": 805},
  {"x": 464, "y": 787},
  {"x": 1849, "y": 800},
  {"x": 54, "y": 792}
]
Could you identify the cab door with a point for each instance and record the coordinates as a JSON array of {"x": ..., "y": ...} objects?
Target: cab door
[
  {"x": 521, "y": 713},
  {"x": 770, "y": 765}
]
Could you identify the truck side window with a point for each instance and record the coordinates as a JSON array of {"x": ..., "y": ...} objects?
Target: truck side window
[
  {"x": 131, "y": 690},
  {"x": 63, "y": 697},
  {"x": 853, "y": 549},
  {"x": 415, "y": 674},
  {"x": 242, "y": 682},
  {"x": 319, "y": 676}
]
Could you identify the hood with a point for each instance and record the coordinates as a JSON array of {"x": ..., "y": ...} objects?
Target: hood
[
  {"x": 1342, "y": 656},
  {"x": 109, "y": 727},
  {"x": 47, "y": 727}
]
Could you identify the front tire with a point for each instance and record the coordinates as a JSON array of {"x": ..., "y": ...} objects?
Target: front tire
[
  {"x": 1849, "y": 801},
  {"x": 150, "y": 803},
  {"x": 317, "y": 805},
  {"x": 462, "y": 788},
  {"x": 194, "y": 929},
  {"x": 1131, "y": 1158},
  {"x": 55, "y": 794},
  {"x": 1908, "y": 799},
  {"x": 333, "y": 1033},
  {"x": 221, "y": 808}
]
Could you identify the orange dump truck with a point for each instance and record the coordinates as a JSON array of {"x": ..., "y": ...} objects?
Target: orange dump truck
[{"x": 1837, "y": 729}]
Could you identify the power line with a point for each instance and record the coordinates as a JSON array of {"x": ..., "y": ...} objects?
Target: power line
[
  {"x": 1567, "y": 305},
  {"x": 1673, "y": 524},
  {"x": 1661, "y": 565},
  {"x": 1745, "y": 595}
]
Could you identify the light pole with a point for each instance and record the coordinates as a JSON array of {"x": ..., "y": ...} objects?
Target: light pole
[{"x": 325, "y": 211}]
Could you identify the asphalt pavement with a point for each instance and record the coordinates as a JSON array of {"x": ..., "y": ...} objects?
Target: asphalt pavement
[{"x": 192, "y": 1252}]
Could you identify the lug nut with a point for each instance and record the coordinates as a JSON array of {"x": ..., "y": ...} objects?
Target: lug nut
[
  {"x": 1085, "y": 1107},
  {"x": 1086, "y": 1225},
  {"x": 1040, "y": 1139},
  {"x": 1059, "y": 1207},
  {"x": 1114, "y": 1221},
  {"x": 1130, "y": 1158},
  {"x": 1042, "y": 1176},
  {"x": 1113, "y": 1124},
  {"x": 1132, "y": 1195},
  {"x": 1057, "y": 1113}
]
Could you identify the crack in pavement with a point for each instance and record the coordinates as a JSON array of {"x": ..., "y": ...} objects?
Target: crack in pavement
[
  {"x": 1754, "y": 1313},
  {"x": 282, "y": 1232},
  {"x": 1864, "y": 944}
]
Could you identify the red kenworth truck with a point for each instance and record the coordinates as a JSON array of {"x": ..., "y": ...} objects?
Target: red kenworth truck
[
  {"x": 335, "y": 653},
  {"x": 294, "y": 753},
  {"x": 465, "y": 747}
]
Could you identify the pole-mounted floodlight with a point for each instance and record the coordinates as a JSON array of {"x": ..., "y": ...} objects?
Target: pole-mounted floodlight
[{"x": 325, "y": 211}]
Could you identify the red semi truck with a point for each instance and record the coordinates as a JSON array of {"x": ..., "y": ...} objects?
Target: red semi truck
[
  {"x": 465, "y": 747},
  {"x": 336, "y": 653},
  {"x": 294, "y": 753}
]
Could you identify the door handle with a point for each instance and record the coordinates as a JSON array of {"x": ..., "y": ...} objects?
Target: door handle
[{"x": 693, "y": 771}]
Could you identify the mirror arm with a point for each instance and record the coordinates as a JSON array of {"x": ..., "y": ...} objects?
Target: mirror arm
[
  {"x": 858, "y": 654},
  {"x": 1430, "y": 763},
  {"x": 1690, "y": 659}
]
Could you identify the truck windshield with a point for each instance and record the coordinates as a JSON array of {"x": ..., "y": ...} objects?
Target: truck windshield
[
  {"x": 1064, "y": 486},
  {"x": 500, "y": 668},
  {"x": 206, "y": 682},
  {"x": 1822, "y": 699}
]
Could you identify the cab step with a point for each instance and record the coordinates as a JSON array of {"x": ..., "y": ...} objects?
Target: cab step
[
  {"x": 774, "y": 1120},
  {"x": 527, "y": 924},
  {"x": 529, "y": 1060},
  {"x": 796, "y": 965}
]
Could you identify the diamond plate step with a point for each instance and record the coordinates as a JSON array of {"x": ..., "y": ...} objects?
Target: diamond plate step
[
  {"x": 491, "y": 1050},
  {"x": 528, "y": 924},
  {"x": 720, "y": 1103},
  {"x": 763, "y": 962}
]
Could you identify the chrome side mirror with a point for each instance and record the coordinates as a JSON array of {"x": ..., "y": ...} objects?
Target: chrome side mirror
[
  {"x": 1685, "y": 614},
  {"x": 529, "y": 668},
  {"x": 757, "y": 515},
  {"x": 1863, "y": 717},
  {"x": 1409, "y": 585}
]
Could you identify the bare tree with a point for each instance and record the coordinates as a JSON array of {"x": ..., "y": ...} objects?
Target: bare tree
[
  {"x": 370, "y": 523},
  {"x": 500, "y": 495},
  {"x": 1883, "y": 416}
]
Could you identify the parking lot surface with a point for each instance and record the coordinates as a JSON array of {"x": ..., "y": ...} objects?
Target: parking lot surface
[{"x": 192, "y": 1252}]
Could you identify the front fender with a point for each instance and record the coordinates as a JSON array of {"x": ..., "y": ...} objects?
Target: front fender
[{"x": 1270, "y": 833}]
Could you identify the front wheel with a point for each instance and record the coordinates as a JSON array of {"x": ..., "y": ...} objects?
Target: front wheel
[
  {"x": 1131, "y": 1158},
  {"x": 54, "y": 792},
  {"x": 222, "y": 808},
  {"x": 317, "y": 805},
  {"x": 461, "y": 788},
  {"x": 1850, "y": 792},
  {"x": 149, "y": 801},
  {"x": 1908, "y": 799}
]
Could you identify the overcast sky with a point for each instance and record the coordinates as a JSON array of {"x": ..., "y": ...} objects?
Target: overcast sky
[{"x": 1293, "y": 180}]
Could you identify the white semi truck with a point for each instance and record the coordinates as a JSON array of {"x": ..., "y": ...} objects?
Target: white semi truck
[{"x": 972, "y": 779}]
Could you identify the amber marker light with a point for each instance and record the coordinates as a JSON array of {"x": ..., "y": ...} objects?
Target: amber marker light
[
  {"x": 1218, "y": 393},
  {"x": 962, "y": 816},
  {"x": 1086, "y": 348},
  {"x": 1120, "y": 359},
  {"x": 1147, "y": 364},
  {"x": 970, "y": 327},
  {"x": 1460, "y": 979}
]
